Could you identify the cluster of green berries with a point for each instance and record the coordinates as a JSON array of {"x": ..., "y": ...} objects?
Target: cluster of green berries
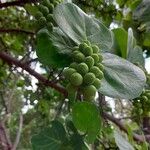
[
  {"x": 86, "y": 71},
  {"x": 44, "y": 16},
  {"x": 142, "y": 104}
]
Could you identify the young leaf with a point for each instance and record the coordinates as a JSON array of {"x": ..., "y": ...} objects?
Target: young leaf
[
  {"x": 51, "y": 138},
  {"x": 47, "y": 53},
  {"x": 79, "y": 26},
  {"x": 121, "y": 142},
  {"x": 86, "y": 118},
  {"x": 122, "y": 79}
]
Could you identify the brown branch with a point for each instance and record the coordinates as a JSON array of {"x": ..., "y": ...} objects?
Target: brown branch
[
  {"x": 12, "y": 61},
  {"x": 139, "y": 138},
  {"x": 4, "y": 139},
  {"x": 17, "y": 3},
  {"x": 15, "y": 31}
]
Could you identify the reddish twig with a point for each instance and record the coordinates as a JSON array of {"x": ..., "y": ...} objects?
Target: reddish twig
[
  {"x": 12, "y": 61},
  {"x": 17, "y": 3},
  {"x": 15, "y": 31}
]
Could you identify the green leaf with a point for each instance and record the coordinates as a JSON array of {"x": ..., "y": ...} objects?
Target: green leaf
[
  {"x": 131, "y": 41},
  {"x": 62, "y": 41},
  {"x": 122, "y": 79},
  {"x": 50, "y": 138},
  {"x": 47, "y": 53},
  {"x": 120, "y": 42},
  {"x": 86, "y": 118},
  {"x": 121, "y": 142},
  {"x": 79, "y": 26}
]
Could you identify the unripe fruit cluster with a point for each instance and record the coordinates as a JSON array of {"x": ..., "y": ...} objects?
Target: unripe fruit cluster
[
  {"x": 86, "y": 71},
  {"x": 44, "y": 16},
  {"x": 142, "y": 104}
]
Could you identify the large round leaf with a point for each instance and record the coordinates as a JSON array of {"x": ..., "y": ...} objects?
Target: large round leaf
[
  {"x": 47, "y": 53},
  {"x": 122, "y": 79},
  {"x": 79, "y": 26},
  {"x": 86, "y": 118}
]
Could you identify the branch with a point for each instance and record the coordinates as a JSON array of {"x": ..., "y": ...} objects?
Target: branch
[
  {"x": 12, "y": 61},
  {"x": 18, "y": 133},
  {"x": 4, "y": 139},
  {"x": 15, "y": 31},
  {"x": 140, "y": 138},
  {"x": 17, "y": 3}
]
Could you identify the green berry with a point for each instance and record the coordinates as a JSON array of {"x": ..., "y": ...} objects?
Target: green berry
[
  {"x": 42, "y": 21},
  {"x": 89, "y": 98},
  {"x": 87, "y": 42},
  {"x": 45, "y": 2},
  {"x": 144, "y": 98},
  {"x": 50, "y": 7},
  {"x": 97, "y": 83},
  {"x": 70, "y": 88},
  {"x": 98, "y": 73},
  {"x": 82, "y": 68},
  {"x": 96, "y": 58},
  {"x": 50, "y": 18},
  {"x": 78, "y": 56},
  {"x": 148, "y": 95},
  {"x": 50, "y": 26},
  {"x": 68, "y": 72},
  {"x": 100, "y": 66},
  {"x": 74, "y": 65},
  {"x": 87, "y": 51},
  {"x": 95, "y": 49},
  {"x": 55, "y": 3},
  {"x": 89, "y": 78},
  {"x": 76, "y": 48},
  {"x": 76, "y": 79},
  {"x": 43, "y": 9},
  {"x": 89, "y": 61},
  {"x": 100, "y": 57},
  {"x": 89, "y": 91},
  {"x": 82, "y": 46},
  {"x": 38, "y": 15}
]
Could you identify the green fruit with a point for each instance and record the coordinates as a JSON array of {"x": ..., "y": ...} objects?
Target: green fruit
[
  {"x": 148, "y": 95},
  {"x": 97, "y": 83},
  {"x": 42, "y": 21},
  {"x": 144, "y": 98},
  {"x": 88, "y": 51},
  {"x": 76, "y": 79},
  {"x": 100, "y": 57},
  {"x": 95, "y": 49},
  {"x": 55, "y": 3},
  {"x": 98, "y": 73},
  {"x": 78, "y": 56},
  {"x": 50, "y": 26},
  {"x": 82, "y": 46},
  {"x": 100, "y": 66},
  {"x": 89, "y": 61},
  {"x": 89, "y": 78},
  {"x": 89, "y": 98},
  {"x": 89, "y": 91},
  {"x": 74, "y": 65},
  {"x": 50, "y": 17},
  {"x": 68, "y": 72},
  {"x": 45, "y": 2},
  {"x": 82, "y": 68},
  {"x": 38, "y": 15},
  {"x": 96, "y": 58},
  {"x": 50, "y": 7},
  {"x": 70, "y": 88},
  {"x": 43, "y": 9},
  {"x": 76, "y": 48},
  {"x": 87, "y": 42}
]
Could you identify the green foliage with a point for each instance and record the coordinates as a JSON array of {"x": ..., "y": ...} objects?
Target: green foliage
[{"x": 86, "y": 119}]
